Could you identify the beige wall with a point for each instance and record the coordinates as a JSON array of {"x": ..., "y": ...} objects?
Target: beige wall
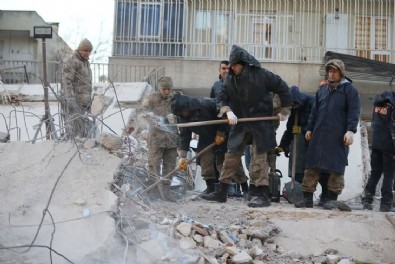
[{"x": 197, "y": 74}]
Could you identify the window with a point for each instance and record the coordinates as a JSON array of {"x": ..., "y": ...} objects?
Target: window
[
  {"x": 212, "y": 30},
  {"x": 149, "y": 20},
  {"x": 262, "y": 36},
  {"x": 372, "y": 36}
]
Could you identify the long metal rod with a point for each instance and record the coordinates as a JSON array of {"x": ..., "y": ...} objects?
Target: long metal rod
[{"x": 225, "y": 121}]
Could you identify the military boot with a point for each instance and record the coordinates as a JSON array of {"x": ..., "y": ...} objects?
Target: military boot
[
  {"x": 252, "y": 191},
  {"x": 261, "y": 197},
  {"x": 219, "y": 195},
  {"x": 367, "y": 201},
  {"x": 210, "y": 183},
  {"x": 323, "y": 199},
  {"x": 307, "y": 201}
]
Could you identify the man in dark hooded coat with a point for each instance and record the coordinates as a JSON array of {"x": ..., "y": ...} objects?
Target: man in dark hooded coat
[
  {"x": 189, "y": 109},
  {"x": 248, "y": 92},
  {"x": 383, "y": 152},
  {"x": 332, "y": 123}
]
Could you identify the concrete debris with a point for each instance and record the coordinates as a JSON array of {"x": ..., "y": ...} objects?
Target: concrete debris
[{"x": 110, "y": 141}]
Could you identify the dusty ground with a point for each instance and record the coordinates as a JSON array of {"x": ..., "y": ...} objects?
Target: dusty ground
[{"x": 84, "y": 231}]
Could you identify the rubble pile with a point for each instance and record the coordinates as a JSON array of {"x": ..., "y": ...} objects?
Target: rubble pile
[{"x": 181, "y": 239}]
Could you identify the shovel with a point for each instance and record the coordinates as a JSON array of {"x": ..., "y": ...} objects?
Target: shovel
[
  {"x": 294, "y": 197},
  {"x": 225, "y": 121},
  {"x": 167, "y": 176}
]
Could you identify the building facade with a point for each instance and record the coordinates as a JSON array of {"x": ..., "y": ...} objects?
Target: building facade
[
  {"x": 21, "y": 55},
  {"x": 289, "y": 37}
]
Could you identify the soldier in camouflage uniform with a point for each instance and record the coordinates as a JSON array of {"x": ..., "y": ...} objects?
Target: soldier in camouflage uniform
[
  {"x": 77, "y": 92},
  {"x": 162, "y": 141}
]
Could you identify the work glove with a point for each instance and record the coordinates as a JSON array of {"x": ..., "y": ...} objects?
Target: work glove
[
  {"x": 219, "y": 138},
  {"x": 308, "y": 135},
  {"x": 182, "y": 164},
  {"x": 232, "y": 118},
  {"x": 348, "y": 138},
  {"x": 278, "y": 150},
  {"x": 296, "y": 129}
]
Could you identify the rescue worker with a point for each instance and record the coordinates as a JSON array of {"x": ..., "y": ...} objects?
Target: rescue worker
[
  {"x": 162, "y": 139},
  {"x": 302, "y": 104},
  {"x": 332, "y": 123},
  {"x": 77, "y": 92},
  {"x": 383, "y": 152},
  {"x": 247, "y": 92},
  {"x": 189, "y": 109},
  {"x": 220, "y": 151}
]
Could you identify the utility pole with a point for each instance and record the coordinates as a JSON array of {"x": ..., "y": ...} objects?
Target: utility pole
[{"x": 45, "y": 32}]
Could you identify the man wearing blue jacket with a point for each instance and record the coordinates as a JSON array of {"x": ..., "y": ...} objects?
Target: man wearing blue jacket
[{"x": 332, "y": 123}]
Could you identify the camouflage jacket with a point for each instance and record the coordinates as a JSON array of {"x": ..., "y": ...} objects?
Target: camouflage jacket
[
  {"x": 161, "y": 134},
  {"x": 77, "y": 80}
]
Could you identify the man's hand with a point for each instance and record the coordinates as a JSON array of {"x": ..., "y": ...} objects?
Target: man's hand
[
  {"x": 296, "y": 129},
  {"x": 278, "y": 150},
  {"x": 145, "y": 134},
  {"x": 348, "y": 138},
  {"x": 232, "y": 118},
  {"x": 219, "y": 138},
  {"x": 308, "y": 135},
  {"x": 182, "y": 164}
]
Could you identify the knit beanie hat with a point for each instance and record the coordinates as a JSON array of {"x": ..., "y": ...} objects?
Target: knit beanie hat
[
  {"x": 336, "y": 64},
  {"x": 85, "y": 44},
  {"x": 165, "y": 82}
]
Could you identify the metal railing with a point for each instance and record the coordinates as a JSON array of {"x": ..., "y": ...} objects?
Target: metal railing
[
  {"x": 279, "y": 31},
  {"x": 13, "y": 72}
]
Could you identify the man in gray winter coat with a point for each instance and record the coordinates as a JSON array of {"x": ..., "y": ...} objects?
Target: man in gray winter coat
[
  {"x": 332, "y": 123},
  {"x": 248, "y": 92},
  {"x": 77, "y": 92}
]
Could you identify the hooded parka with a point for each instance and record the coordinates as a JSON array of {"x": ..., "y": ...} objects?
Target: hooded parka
[{"x": 251, "y": 95}]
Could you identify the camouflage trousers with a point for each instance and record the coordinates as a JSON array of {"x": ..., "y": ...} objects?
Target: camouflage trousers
[
  {"x": 312, "y": 175},
  {"x": 239, "y": 176},
  {"x": 259, "y": 168},
  {"x": 161, "y": 161}
]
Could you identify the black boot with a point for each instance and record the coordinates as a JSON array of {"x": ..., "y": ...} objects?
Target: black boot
[
  {"x": 261, "y": 197},
  {"x": 307, "y": 201},
  {"x": 332, "y": 201},
  {"x": 367, "y": 201},
  {"x": 210, "y": 186},
  {"x": 323, "y": 199},
  {"x": 217, "y": 196},
  {"x": 252, "y": 191}
]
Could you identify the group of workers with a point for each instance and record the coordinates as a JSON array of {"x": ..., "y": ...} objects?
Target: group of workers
[{"x": 324, "y": 124}]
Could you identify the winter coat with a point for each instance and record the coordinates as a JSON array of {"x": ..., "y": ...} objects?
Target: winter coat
[
  {"x": 161, "y": 134},
  {"x": 200, "y": 109},
  {"x": 77, "y": 82},
  {"x": 333, "y": 114},
  {"x": 216, "y": 89},
  {"x": 383, "y": 122},
  {"x": 305, "y": 102},
  {"x": 251, "y": 95}
]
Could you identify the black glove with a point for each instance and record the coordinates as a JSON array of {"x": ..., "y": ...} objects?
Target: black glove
[{"x": 280, "y": 149}]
